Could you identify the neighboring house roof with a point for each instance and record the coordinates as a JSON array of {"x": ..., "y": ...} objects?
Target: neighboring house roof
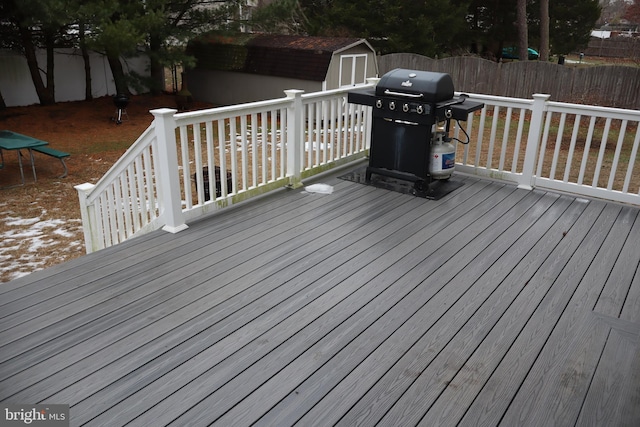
[{"x": 300, "y": 57}]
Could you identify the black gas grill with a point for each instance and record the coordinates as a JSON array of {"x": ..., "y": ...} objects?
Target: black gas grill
[{"x": 411, "y": 116}]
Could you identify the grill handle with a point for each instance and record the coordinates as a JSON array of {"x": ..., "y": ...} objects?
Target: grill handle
[{"x": 406, "y": 95}]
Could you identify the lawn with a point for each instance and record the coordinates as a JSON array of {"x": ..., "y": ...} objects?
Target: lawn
[{"x": 40, "y": 222}]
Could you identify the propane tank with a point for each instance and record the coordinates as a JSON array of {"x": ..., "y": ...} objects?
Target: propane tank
[{"x": 443, "y": 155}]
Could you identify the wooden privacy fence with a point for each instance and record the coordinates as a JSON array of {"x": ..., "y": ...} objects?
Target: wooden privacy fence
[
  {"x": 618, "y": 47},
  {"x": 611, "y": 86}
]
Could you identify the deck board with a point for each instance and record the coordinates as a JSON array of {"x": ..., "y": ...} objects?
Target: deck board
[{"x": 492, "y": 306}]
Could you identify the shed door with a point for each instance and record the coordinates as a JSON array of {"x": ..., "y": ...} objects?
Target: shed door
[{"x": 353, "y": 69}]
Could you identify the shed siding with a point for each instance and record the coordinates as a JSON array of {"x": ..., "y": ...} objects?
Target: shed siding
[
  {"x": 272, "y": 64},
  {"x": 230, "y": 87}
]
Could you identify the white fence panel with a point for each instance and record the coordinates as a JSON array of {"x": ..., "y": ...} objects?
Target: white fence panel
[{"x": 18, "y": 90}]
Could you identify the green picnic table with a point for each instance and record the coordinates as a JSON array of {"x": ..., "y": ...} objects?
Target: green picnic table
[{"x": 15, "y": 141}]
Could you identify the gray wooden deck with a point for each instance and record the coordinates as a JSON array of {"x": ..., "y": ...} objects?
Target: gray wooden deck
[{"x": 492, "y": 306}]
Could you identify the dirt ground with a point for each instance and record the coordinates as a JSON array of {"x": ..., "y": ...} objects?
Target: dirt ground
[{"x": 40, "y": 221}]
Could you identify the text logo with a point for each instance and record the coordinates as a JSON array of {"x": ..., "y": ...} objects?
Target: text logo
[{"x": 34, "y": 415}]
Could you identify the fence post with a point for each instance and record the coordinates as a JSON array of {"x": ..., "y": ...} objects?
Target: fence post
[
  {"x": 87, "y": 215},
  {"x": 295, "y": 137},
  {"x": 167, "y": 175},
  {"x": 539, "y": 107}
]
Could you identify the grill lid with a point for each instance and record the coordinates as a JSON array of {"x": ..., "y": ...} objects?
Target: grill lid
[{"x": 425, "y": 86}]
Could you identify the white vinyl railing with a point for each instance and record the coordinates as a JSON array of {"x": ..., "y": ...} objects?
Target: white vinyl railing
[
  {"x": 581, "y": 149},
  {"x": 164, "y": 180},
  {"x": 187, "y": 164}
]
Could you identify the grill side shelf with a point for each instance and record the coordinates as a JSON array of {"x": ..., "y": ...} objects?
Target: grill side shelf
[
  {"x": 459, "y": 111},
  {"x": 362, "y": 97}
]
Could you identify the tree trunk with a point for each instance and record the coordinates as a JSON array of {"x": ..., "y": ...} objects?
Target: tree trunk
[
  {"x": 3, "y": 105},
  {"x": 45, "y": 94},
  {"x": 88, "y": 93},
  {"x": 523, "y": 31},
  {"x": 544, "y": 30},
  {"x": 156, "y": 68},
  {"x": 118, "y": 73},
  {"x": 49, "y": 42}
]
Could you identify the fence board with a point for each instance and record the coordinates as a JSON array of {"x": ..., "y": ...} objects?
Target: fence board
[{"x": 607, "y": 85}]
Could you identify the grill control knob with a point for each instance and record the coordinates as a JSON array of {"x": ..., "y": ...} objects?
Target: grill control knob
[
  {"x": 379, "y": 103},
  {"x": 405, "y": 108},
  {"x": 420, "y": 109},
  {"x": 392, "y": 105}
]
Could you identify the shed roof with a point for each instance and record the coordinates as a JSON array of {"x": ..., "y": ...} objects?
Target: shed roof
[{"x": 300, "y": 57}]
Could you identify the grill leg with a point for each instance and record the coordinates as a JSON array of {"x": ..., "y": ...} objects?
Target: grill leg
[{"x": 118, "y": 115}]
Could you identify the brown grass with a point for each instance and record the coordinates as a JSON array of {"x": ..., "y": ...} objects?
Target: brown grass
[{"x": 85, "y": 130}]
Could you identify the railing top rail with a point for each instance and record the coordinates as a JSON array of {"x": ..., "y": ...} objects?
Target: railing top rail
[
  {"x": 594, "y": 110},
  {"x": 198, "y": 116},
  {"x": 500, "y": 100},
  {"x": 123, "y": 162},
  {"x": 333, "y": 92}
]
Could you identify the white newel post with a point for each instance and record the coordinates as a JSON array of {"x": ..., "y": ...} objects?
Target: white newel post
[
  {"x": 295, "y": 137},
  {"x": 526, "y": 181},
  {"x": 87, "y": 215},
  {"x": 167, "y": 175}
]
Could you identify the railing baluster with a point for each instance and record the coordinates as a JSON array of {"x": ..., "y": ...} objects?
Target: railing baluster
[
  {"x": 197, "y": 152},
  {"x": 556, "y": 150},
  {"x": 284, "y": 140},
  {"x": 127, "y": 230},
  {"x": 233, "y": 147},
  {"x": 359, "y": 144},
  {"x": 332, "y": 128},
  {"x": 211, "y": 161},
  {"x": 516, "y": 149},
  {"x": 572, "y": 147},
  {"x": 505, "y": 138},
  {"x": 244, "y": 151},
  {"x": 223, "y": 159},
  {"x": 632, "y": 159},
  {"x": 112, "y": 224},
  {"x": 150, "y": 168},
  {"x": 264, "y": 138},
  {"x": 492, "y": 138},
  {"x": 465, "y": 153},
  {"x": 587, "y": 149},
  {"x": 341, "y": 134},
  {"x": 616, "y": 156},
  {"x": 309, "y": 116},
  {"x": 255, "y": 128},
  {"x": 104, "y": 218},
  {"x": 274, "y": 144},
  {"x": 483, "y": 116},
  {"x": 186, "y": 172},
  {"x": 317, "y": 129},
  {"x": 603, "y": 146},
  {"x": 133, "y": 193},
  {"x": 353, "y": 126}
]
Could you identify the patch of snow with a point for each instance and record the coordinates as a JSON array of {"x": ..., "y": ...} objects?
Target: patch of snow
[{"x": 22, "y": 241}]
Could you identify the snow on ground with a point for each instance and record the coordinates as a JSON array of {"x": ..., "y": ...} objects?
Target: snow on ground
[{"x": 31, "y": 244}]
